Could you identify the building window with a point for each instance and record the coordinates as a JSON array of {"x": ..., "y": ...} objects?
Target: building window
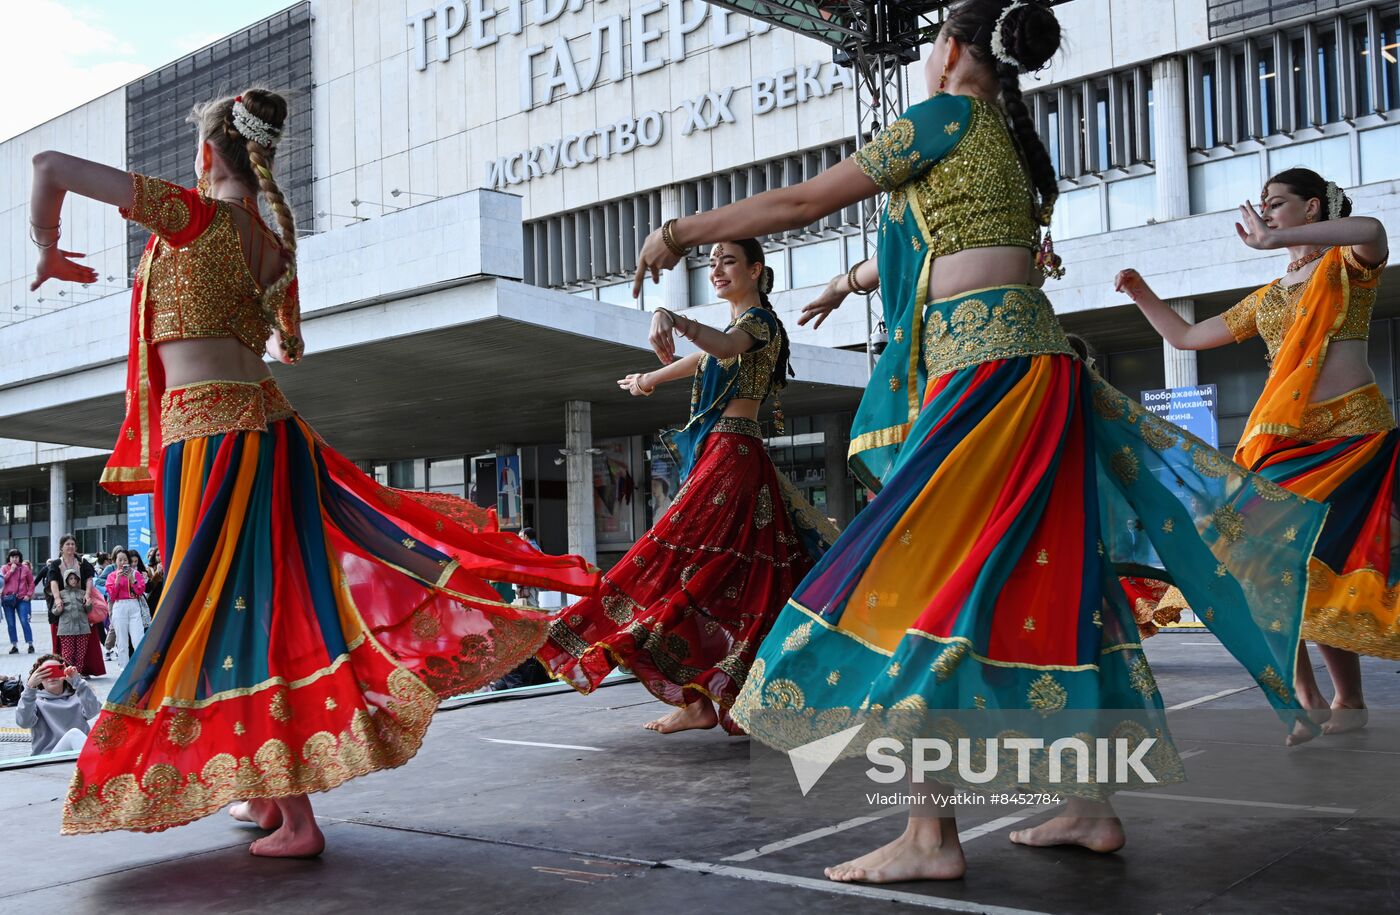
[
  {"x": 1223, "y": 183},
  {"x": 1092, "y": 126},
  {"x": 597, "y": 246},
  {"x": 1389, "y": 62},
  {"x": 1267, "y": 99},
  {"x": 1380, "y": 155}
]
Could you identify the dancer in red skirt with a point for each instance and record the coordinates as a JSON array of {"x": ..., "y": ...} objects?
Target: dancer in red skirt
[
  {"x": 687, "y": 607},
  {"x": 311, "y": 619}
]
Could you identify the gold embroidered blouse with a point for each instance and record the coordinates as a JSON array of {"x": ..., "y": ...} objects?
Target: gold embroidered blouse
[
  {"x": 1269, "y": 313},
  {"x": 199, "y": 287},
  {"x": 755, "y": 379},
  {"x": 961, "y": 178}
]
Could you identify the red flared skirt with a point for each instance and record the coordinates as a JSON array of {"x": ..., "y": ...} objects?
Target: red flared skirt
[
  {"x": 686, "y": 608},
  {"x": 311, "y": 620}
]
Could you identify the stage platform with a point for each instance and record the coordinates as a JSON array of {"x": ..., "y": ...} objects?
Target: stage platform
[{"x": 555, "y": 802}]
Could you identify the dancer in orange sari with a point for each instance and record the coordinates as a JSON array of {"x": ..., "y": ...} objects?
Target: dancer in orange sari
[
  {"x": 311, "y": 618},
  {"x": 1321, "y": 428}
]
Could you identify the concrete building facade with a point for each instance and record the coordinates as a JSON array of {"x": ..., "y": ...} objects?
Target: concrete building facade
[{"x": 473, "y": 179}]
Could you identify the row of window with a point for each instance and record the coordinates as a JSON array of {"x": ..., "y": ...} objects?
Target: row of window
[
  {"x": 31, "y": 505},
  {"x": 1324, "y": 72},
  {"x": 593, "y": 246},
  {"x": 1349, "y": 157}
]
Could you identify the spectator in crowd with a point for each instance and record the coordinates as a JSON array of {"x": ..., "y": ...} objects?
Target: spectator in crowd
[
  {"x": 155, "y": 580},
  {"x": 125, "y": 587},
  {"x": 15, "y": 598},
  {"x": 56, "y": 705},
  {"x": 103, "y": 562},
  {"x": 74, "y": 629},
  {"x": 56, "y": 576}
]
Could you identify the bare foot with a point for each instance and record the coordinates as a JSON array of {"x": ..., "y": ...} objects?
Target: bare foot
[
  {"x": 258, "y": 810},
  {"x": 1345, "y": 719},
  {"x": 1102, "y": 834},
  {"x": 910, "y": 857},
  {"x": 698, "y": 715},
  {"x": 1318, "y": 712},
  {"x": 305, "y": 842}
]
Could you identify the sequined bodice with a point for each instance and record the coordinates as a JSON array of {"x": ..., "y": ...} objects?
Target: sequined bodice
[
  {"x": 204, "y": 289},
  {"x": 755, "y": 379},
  {"x": 978, "y": 196},
  {"x": 1271, "y": 311}
]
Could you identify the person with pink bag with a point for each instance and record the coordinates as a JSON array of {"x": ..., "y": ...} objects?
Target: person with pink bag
[{"x": 125, "y": 585}]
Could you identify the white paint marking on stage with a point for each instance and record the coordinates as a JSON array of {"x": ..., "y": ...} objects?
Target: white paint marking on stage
[
  {"x": 552, "y": 746},
  {"x": 857, "y": 890},
  {"x": 1190, "y": 753},
  {"x": 1208, "y": 644},
  {"x": 1000, "y": 823},
  {"x": 1213, "y": 696},
  {"x": 1228, "y": 802},
  {"x": 810, "y": 836}
]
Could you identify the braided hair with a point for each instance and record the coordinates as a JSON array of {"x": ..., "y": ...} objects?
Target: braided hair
[
  {"x": 1030, "y": 36},
  {"x": 247, "y": 158},
  {"x": 753, "y": 253}
]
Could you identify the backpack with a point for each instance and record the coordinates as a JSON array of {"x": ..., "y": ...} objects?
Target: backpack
[{"x": 10, "y": 690}]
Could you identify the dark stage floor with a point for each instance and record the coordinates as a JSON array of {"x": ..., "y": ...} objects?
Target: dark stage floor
[{"x": 560, "y": 803}]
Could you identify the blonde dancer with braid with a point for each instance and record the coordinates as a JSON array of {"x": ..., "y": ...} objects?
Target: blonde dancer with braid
[{"x": 310, "y": 619}]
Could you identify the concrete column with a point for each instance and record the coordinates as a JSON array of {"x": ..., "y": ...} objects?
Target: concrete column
[
  {"x": 1180, "y": 365},
  {"x": 58, "y": 506},
  {"x": 675, "y": 284},
  {"x": 836, "y": 434},
  {"x": 1169, "y": 117},
  {"x": 578, "y": 467}
]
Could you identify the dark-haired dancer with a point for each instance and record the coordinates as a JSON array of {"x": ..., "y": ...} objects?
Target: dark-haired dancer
[
  {"x": 311, "y": 618},
  {"x": 1015, "y": 483},
  {"x": 688, "y": 605},
  {"x": 1321, "y": 428}
]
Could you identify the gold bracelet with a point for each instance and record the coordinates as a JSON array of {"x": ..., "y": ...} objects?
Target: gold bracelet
[
  {"x": 851, "y": 280},
  {"x": 668, "y": 235},
  {"x": 645, "y": 391}
]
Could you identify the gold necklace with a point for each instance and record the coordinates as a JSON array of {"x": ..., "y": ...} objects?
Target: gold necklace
[{"x": 1300, "y": 263}]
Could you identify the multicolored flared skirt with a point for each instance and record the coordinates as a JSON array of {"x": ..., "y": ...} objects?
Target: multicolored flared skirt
[
  {"x": 1347, "y": 458},
  {"x": 688, "y": 605},
  {"x": 311, "y": 619},
  {"x": 986, "y": 573}
]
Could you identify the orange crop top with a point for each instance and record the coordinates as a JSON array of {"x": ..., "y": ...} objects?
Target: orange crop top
[
  {"x": 1269, "y": 312},
  {"x": 197, "y": 283}
]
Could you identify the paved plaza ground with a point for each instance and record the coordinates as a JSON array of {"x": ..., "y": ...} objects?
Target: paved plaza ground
[{"x": 561, "y": 803}]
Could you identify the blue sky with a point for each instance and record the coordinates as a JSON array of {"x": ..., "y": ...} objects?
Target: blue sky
[{"x": 72, "y": 51}]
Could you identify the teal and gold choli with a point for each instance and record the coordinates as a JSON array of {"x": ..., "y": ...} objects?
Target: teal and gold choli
[
  {"x": 1015, "y": 488},
  {"x": 955, "y": 182}
]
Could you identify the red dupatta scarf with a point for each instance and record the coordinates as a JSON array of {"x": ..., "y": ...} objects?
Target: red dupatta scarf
[{"x": 131, "y": 469}]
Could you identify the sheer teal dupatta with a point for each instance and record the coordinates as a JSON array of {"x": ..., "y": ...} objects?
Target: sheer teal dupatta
[{"x": 901, "y": 153}]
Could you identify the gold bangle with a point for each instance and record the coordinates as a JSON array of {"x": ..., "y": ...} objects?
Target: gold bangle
[
  {"x": 851, "y": 280},
  {"x": 668, "y": 235}
]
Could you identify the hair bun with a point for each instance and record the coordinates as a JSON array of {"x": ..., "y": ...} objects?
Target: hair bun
[
  {"x": 266, "y": 105},
  {"x": 1031, "y": 35},
  {"x": 765, "y": 280}
]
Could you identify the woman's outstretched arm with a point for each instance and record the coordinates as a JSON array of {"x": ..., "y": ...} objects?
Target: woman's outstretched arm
[
  {"x": 764, "y": 214},
  {"x": 1175, "y": 329},
  {"x": 55, "y": 174},
  {"x": 1363, "y": 234}
]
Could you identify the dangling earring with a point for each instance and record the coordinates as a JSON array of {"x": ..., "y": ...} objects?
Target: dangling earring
[
  {"x": 202, "y": 185},
  {"x": 943, "y": 82}
]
